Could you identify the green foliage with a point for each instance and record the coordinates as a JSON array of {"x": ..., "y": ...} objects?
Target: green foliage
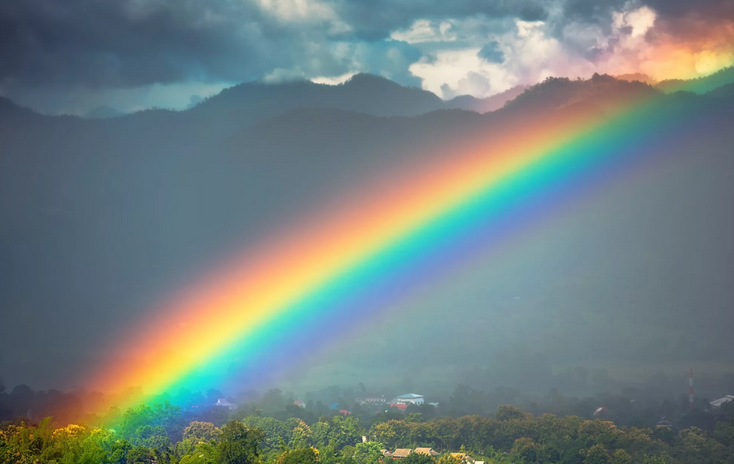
[
  {"x": 299, "y": 456},
  {"x": 597, "y": 454},
  {"x": 368, "y": 453},
  {"x": 140, "y": 455},
  {"x": 239, "y": 445},
  {"x": 418, "y": 458},
  {"x": 514, "y": 437},
  {"x": 203, "y": 453},
  {"x": 507, "y": 412},
  {"x": 201, "y": 432}
]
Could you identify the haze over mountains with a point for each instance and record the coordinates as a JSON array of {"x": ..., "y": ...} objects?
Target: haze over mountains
[{"x": 101, "y": 219}]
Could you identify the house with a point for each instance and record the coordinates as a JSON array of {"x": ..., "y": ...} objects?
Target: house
[
  {"x": 299, "y": 403},
  {"x": 427, "y": 451},
  {"x": 386, "y": 453},
  {"x": 664, "y": 422},
  {"x": 720, "y": 401},
  {"x": 222, "y": 402},
  {"x": 372, "y": 399},
  {"x": 463, "y": 457},
  {"x": 401, "y": 453},
  {"x": 345, "y": 412},
  {"x": 409, "y": 398},
  {"x": 602, "y": 412},
  {"x": 401, "y": 406}
]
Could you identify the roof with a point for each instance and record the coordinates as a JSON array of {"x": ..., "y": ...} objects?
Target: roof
[
  {"x": 428, "y": 451},
  {"x": 408, "y": 396},
  {"x": 402, "y": 452},
  {"x": 720, "y": 401},
  {"x": 400, "y": 406}
]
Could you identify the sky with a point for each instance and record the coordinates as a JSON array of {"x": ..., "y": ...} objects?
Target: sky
[{"x": 79, "y": 56}]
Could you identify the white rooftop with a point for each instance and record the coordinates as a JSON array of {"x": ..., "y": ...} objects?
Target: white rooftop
[{"x": 720, "y": 401}]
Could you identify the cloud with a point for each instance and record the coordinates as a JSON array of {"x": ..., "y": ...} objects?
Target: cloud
[
  {"x": 88, "y": 47},
  {"x": 603, "y": 37},
  {"x": 93, "y": 48},
  {"x": 492, "y": 53}
]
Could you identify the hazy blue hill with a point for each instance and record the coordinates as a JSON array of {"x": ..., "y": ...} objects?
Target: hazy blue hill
[
  {"x": 555, "y": 93},
  {"x": 487, "y": 104},
  {"x": 725, "y": 91},
  {"x": 116, "y": 213},
  {"x": 698, "y": 85},
  {"x": 245, "y": 104},
  {"x": 103, "y": 112}
]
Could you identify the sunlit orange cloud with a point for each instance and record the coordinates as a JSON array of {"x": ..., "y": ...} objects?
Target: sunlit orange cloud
[{"x": 688, "y": 47}]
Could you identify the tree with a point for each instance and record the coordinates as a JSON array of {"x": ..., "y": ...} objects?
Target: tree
[
  {"x": 418, "y": 458},
  {"x": 368, "y": 453},
  {"x": 508, "y": 412},
  {"x": 201, "y": 432},
  {"x": 204, "y": 453},
  {"x": 449, "y": 459},
  {"x": 238, "y": 444},
  {"x": 597, "y": 454},
  {"x": 299, "y": 456},
  {"x": 140, "y": 455}
]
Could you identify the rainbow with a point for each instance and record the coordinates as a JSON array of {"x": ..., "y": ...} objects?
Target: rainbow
[{"x": 276, "y": 301}]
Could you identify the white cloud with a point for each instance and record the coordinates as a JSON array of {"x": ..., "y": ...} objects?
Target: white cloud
[
  {"x": 424, "y": 30},
  {"x": 333, "y": 80},
  {"x": 305, "y": 11},
  {"x": 531, "y": 55}
]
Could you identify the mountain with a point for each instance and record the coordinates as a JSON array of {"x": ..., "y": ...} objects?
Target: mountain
[
  {"x": 103, "y": 112},
  {"x": 698, "y": 85},
  {"x": 725, "y": 91},
  {"x": 101, "y": 219},
  {"x": 639, "y": 77},
  {"x": 484, "y": 105},
  {"x": 600, "y": 90}
]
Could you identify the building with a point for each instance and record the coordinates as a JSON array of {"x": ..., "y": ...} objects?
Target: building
[
  {"x": 409, "y": 398},
  {"x": 664, "y": 422},
  {"x": 372, "y": 399},
  {"x": 401, "y": 453},
  {"x": 299, "y": 403},
  {"x": 401, "y": 406},
  {"x": 428, "y": 451},
  {"x": 720, "y": 401},
  {"x": 222, "y": 402}
]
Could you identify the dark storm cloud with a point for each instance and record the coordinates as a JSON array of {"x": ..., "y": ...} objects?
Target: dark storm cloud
[
  {"x": 48, "y": 46},
  {"x": 376, "y": 19},
  {"x": 99, "y": 44},
  {"x": 601, "y": 10},
  {"x": 133, "y": 43},
  {"x": 120, "y": 44}
]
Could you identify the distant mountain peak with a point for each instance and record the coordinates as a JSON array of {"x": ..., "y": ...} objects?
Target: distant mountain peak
[{"x": 367, "y": 77}]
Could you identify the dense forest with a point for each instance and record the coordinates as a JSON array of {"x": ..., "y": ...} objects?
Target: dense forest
[
  {"x": 161, "y": 433},
  {"x": 273, "y": 428}
]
